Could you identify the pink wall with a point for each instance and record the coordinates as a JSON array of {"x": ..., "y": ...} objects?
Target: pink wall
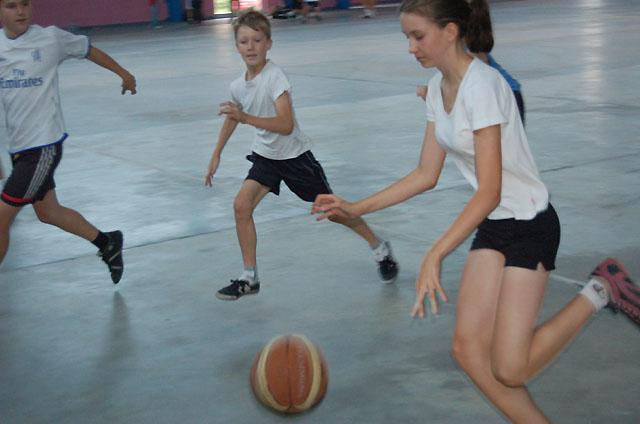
[{"x": 64, "y": 13}]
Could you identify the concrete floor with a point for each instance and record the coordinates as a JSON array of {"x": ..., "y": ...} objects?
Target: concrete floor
[{"x": 161, "y": 349}]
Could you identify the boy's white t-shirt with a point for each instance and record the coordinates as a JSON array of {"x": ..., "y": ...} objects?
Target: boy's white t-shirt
[
  {"x": 484, "y": 99},
  {"x": 257, "y": 97},
  {"x": 29, "y": 84}
]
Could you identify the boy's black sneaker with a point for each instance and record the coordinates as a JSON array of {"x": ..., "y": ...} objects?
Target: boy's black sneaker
[
  {"x": 237, "y": 289},
  {"x": 387, "y": 265},
  {"x": 112, "y": 255},
  {"x": 388, "y": 269}
]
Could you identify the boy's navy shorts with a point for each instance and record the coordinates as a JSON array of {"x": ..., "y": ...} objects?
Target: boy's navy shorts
[
  {"x": 32, "y": 175},
  {"x": 524, "y": 244},
  {"x": 303, "y": 175}
]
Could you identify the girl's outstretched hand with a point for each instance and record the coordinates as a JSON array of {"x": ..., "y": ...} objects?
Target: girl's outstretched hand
[
  {"x": 427, "y": 285},
  {"x": 328, "y": 205}
]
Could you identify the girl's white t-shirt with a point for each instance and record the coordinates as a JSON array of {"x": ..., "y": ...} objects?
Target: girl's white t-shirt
[
  {"x": 29, "y": 91},
  {"x": 258, "y": 98},
  {"x": 484, "y": 99}
]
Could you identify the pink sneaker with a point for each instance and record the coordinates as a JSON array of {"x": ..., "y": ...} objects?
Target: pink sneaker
[{"x": 625, "y": 295}]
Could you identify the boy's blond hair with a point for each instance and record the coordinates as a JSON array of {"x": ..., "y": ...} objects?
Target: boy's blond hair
[{"x": 254, "y": 20}]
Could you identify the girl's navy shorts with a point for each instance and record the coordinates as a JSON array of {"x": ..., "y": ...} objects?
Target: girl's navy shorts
[
  {"x": 523, "y": 243},
  {"x": 303, "y": 175}
]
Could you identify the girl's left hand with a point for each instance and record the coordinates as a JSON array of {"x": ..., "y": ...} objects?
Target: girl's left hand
[
  {"x": 233, "y": 111},
  {"x": 428, "y": 284}
]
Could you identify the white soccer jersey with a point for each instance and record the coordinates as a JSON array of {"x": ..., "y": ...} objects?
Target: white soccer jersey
[
  {"x": 257, "y": 97},
  {"x": 484, "y": 99},
  {"x": 29, "y": 84}
]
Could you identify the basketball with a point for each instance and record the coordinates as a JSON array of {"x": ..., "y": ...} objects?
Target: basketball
[{"x": 289, "y": 374}]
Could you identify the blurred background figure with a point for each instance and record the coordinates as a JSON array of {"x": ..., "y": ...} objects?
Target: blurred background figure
[
  {"x": 197, "y": 11},
  {"x": 369, "y": 8},
  {"x": 188, "y": 8},
  {"x": 155, "y": 14}
]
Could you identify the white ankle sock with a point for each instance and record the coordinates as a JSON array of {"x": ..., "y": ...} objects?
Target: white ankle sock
[
  {"x": 597, "y": 294},
  {"x": 382, "y": 251},
  {"x": 249, "y": 274}
]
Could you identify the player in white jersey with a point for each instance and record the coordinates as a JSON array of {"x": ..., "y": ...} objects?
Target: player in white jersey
[{"x": 30, "y": 102}]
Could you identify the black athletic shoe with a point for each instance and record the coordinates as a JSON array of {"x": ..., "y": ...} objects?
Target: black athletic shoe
[
  {"x": 388, "y": 269},
  {"x": 237, "y": 289},
  {"x": 112, "y": 255},
  {"x": 387, "y": 266}
]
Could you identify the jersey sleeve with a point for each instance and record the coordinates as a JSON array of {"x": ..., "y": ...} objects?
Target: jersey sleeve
[
  {"x": 71, "y": 45},
  {"x": 485, "y": 103},
  {"x": 279, "y": 84}
]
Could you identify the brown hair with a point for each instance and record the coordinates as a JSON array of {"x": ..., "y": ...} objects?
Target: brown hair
[
  {"x": 471, "y": 16},
  {"x": 254, "y": 20}
]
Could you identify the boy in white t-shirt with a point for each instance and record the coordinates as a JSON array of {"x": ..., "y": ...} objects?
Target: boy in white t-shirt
[
  {"x": 261, "y": 97},
  {"x": 30, "y": 101}
]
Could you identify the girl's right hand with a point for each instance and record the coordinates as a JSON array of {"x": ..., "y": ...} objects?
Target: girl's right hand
[
  {"x": 328, "y": 205},
  {"x": 428, "y": 285},
  {"x": 213, "y": 167}
]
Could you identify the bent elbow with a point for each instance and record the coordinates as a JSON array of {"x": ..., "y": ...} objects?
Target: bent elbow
[
  {"x": 430, "y": 183},
  {"x": 426, "y": 180},
  {"x": 495, "y": 199},
  {"x": 288, "y": 129}
]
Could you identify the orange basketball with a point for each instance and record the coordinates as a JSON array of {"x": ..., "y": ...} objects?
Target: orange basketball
[{"x": 289, "y": 374}]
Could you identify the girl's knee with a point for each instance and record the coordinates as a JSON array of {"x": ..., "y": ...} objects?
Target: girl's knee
[
  {"x": 468, "y": 353},
  {"x": 509, "y": 365},
  {"x": 510, "y": 371}
]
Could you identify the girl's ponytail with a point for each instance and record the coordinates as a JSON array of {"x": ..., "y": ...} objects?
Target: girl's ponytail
[{"x": 479, "y": 32}]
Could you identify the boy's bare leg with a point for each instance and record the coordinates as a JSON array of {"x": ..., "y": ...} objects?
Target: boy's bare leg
[
  {"x": 249, "y": 196},
  {"x": 360, "y": 227},
  {"x": 7, "y": 215},
  {"x": 51, "y": 212}
]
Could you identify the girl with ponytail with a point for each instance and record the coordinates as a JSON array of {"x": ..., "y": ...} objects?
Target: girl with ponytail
[
  {"x": 472, "y": 116},
  {"x": 479, "y": 41}
]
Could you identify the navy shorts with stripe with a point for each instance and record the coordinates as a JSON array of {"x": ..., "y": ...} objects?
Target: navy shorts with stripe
[
  {"x": 32, "y": 175},
  {"x": 303, "y": 175},
  {"x": 524, "y": 243}
]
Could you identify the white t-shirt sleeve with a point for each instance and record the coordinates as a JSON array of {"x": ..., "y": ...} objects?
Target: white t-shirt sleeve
[
  {"x": 234, "y": 97},
  {"x": 279, "y": 84},
  {"x": 71, "y": 45},
  {"x": 432, "y": 91},
  {"x": 484, "y": 105}
]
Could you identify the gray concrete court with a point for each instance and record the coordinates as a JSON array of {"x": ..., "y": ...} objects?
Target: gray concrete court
[{"x": 159, "y": 348}]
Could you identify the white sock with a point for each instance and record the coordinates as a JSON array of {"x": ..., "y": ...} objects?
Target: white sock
[
  {"x": 250, "y": 274},
  {"x": 382, "y": 251},
  {"x": 597, "y": 294}
]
